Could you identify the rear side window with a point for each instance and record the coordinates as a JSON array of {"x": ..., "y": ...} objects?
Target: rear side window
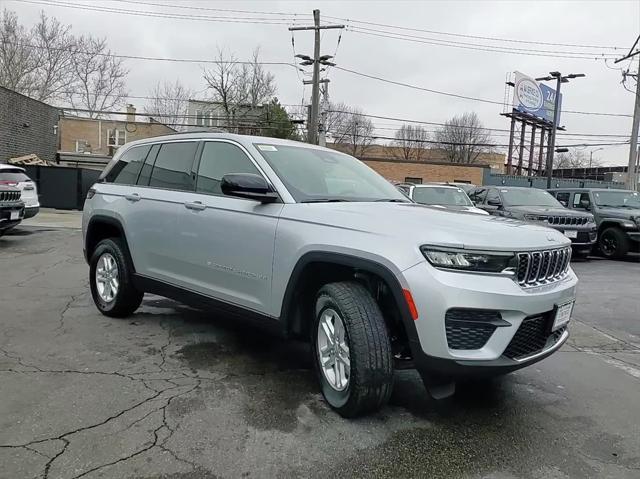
[
  {"x": 478, "y": 195},
  {"x": 173, "y": 167},
  {"x": 125, "y": 171},
  {"x": 219, "y": 159},
  {"x": 12, "y": 175}
]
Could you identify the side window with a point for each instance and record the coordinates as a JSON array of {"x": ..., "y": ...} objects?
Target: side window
[
  {"x": 581, "y": 200},
  {"x": 493, "y": 197},
  {"x": 172, "y": 169},
  {"x": 478, "y": 195},
  {"x": 125, "y": 171},
  {"x": 404, "y": 189},
  {"x": 219, "y": 159},
  {"x": 145, "y": 172},
  {"x": 563, "y": 198}
]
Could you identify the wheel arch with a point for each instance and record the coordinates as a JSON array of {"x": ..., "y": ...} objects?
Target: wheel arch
[
  {"x": 609, "y": 223},
  {"x": 101, "y": 227}
]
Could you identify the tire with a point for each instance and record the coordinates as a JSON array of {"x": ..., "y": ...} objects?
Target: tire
[
  {"x": 126, "y": 298},
  {"x": 613, "y": 243},
  {"x": 581, "y": 253},
  {"x": 368, "y": 349}
]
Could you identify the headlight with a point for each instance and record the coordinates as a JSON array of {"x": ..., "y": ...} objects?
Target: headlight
[
  {"x": 637, "y": 220},
  {"x": 535, "y": 218},
  {"x": 464, "y": 260},
  {"x": 628, "y": 224},
  {"x": 591, "y": 219}
]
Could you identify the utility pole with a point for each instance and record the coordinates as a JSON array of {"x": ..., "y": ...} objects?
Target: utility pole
[
  {"x": 632, "y": 172},
  {"x": 316, "y": 61},
  {"x": 322, "y": 130},
  {"x": 556, "y": 117}
]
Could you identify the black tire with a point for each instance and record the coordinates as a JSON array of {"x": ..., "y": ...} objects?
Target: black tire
[
  {"x": 581, "y": 253},
  {"x": 371, "y": 361},
  {"x": 127, "y": 298},
  {"x": 613, "y": 243}
]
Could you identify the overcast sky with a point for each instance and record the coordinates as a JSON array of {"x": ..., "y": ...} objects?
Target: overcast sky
[{"x": 461, "y": 71}]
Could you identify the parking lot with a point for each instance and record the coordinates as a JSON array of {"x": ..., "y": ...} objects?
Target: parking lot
[{"x": 176, "y": 393}]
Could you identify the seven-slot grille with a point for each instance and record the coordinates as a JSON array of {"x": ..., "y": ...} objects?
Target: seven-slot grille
[
  {"x": 9, "y": 196},
  {"x": 542, "y": 267},
  {"x": 568, "y": 220}
]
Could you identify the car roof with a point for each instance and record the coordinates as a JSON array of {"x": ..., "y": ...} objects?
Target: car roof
[
  {"x": 4, "y": 166},
  {"x": 436, "y": 185},
  {"x": 589, "y": 189}
]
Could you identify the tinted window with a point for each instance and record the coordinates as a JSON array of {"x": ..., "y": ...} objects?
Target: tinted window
[
  {"x": 478, "y": 195},
  {"x": 563, "y": 198},
  {"x": 529, "y": 197},
  {"x": 172, "y": 169},
  {"x": 493, "y": 196},
  {"x": 441, "y": 196},
  {"x": 125, "y": 171},
  {"x": 12, "y": 176},
  {"x": 145, "y": 173},
  {"x": 219, "y": 159}
]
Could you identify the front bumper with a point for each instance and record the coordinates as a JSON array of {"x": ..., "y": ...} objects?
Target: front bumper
[
  {"x": 6, "y": 211},
  {"x": 31, "y": 211},
  {"x": 584, "y": 236},
  {"x": 436, "y": 291}
]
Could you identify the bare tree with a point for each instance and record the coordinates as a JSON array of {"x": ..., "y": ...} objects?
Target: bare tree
[
  {"x": 409, "y": 142},
  {"x": 574, "y": 159},
  {"x": 239, "y": 87},
  {"x": 18, "y": 63},
  {"x": 350, "y": 128},
  {"x": 99, "y": 77},
  {"x": 171, "y": 101},
  {"x": 463, "y": 138}
]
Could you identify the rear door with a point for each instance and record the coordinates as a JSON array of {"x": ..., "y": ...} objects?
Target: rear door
[{"x": 227, "y": 243}]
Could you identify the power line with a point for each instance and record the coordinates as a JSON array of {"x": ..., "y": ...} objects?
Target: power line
[
  {"x": 464, "y": 97},
  {"x": 209, "y": 9},
  {"x": 486, "y": 48},
  {"x": 478, "y": 37}
]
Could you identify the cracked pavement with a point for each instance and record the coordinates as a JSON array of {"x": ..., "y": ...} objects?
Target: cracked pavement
[{"x": 172, "y": 392}]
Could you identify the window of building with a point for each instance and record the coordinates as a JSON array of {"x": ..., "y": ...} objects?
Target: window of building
[
  {"x": 82, "y": 146},
  {"x": 116, "y": 137},
  {"x": 173, "y": 166},
  {"x": 199, "y": 118},
  {"x": 415, "y": 181},
  {"x": 125, "y": 171},
  {"x": 219, "y": 159}
]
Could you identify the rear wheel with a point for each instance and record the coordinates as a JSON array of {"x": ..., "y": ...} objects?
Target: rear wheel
[
  {"x": 352, "y": 351},
  {"x": 111, "y": 279},
  {"x": 613, "y": 243}
]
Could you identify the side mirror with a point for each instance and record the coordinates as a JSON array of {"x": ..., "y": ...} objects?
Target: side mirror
[
  {"x": 248, "y": 185},
  {"x": 586, "y": 204},
  {"x": 564, "y": 203}
]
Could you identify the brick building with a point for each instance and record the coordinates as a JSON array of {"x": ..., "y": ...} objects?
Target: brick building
[
  {"x": 399, "y": 171},
  {"x": 103, "y": 137},
  {"x": 26, "y": 126}
]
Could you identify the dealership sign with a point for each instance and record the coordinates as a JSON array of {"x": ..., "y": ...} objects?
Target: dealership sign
[{"x": 534, "y": 98}]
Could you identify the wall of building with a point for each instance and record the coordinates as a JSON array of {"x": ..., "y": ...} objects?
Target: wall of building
[
  {"x": 96, "y": 133},
  {"x": 26, "y": 126},
  {"x": 400, "y": 171}
]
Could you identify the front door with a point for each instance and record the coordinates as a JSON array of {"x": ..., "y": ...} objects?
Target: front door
[{"x": 226, "y": 243}]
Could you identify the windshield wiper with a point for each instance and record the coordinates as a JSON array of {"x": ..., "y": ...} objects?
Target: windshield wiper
[
  {"x": 325, "y": 200},
  {"x": 391, "y": 200}
]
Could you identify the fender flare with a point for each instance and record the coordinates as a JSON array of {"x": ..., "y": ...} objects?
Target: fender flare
[{"x": 111, "y": 221}]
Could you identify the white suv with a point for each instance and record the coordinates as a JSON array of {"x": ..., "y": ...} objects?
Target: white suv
[
  {"x": 16, "y": 177},
  {"x": 312, "y": 243}
]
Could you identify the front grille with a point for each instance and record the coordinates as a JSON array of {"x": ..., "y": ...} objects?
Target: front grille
[
  {"x": 543, "y": 267},
  {"x": 533, "y": 336},
  {"x": 470, "y": 328},
  {"x": 567, "y": 220},
  {"x": 9, "y": 196}
]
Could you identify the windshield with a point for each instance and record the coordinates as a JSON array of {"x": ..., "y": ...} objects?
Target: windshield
[
  {"x": 320, "y": 175},
  {"x": 441, "y": 196},
  {"x": 529, "y": 197},
  {"x": 12, "y": 176},
  {"x": 618, "y": 199}
]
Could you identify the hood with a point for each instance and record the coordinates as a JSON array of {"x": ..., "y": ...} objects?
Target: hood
[
  {"x": 547, "y": 210},
  {"x": 626, "y": 213},
  {"x": 461, "y": 209},
  {"x": 428, "y": 225}
]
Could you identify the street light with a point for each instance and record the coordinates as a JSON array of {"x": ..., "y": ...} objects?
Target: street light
[
  {"x": 591, "y": 155},
  {"x": 556, "y": 116}
]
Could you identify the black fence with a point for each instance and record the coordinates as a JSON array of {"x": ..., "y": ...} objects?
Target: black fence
[{"x": 61, "y": 187}]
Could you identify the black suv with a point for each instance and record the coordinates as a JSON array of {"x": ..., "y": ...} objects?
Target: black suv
[
  {"x": 537, "y": 206},
  {"x": 617, "y": 214}
]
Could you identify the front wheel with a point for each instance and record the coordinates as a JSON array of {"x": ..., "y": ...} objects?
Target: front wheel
[
  {"x": 111, "y": 280},
  {"x": 352, "y": 351},
  {"x": 613, "y": 243}
]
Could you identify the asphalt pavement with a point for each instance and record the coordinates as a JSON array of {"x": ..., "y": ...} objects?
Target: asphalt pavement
[{"x": 172, "y": 392}]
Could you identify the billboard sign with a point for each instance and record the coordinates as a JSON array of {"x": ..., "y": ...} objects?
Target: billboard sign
[{"x": 534, "y": 98}]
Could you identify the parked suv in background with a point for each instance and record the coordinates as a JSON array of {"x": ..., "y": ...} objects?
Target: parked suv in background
[
  {"x": 11, "y": 208},
  {"x": 316, "y": 245},
  {"x": 537, "y": 206},
  {"x": 441, "y": 196},
  {"x": 617, "y": 214},
  {"x": 16, "y": 177}
]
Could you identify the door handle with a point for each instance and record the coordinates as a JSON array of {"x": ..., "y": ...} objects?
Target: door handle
[
  {"x": 133, "y": 197},
  {"x": 195, "y": 205}
]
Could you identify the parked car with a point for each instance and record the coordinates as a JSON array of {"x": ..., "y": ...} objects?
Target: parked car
[
  {"x": 440, "y": 196},
  {"x": 16, "y": 177},
  {"x": 538, "y": 206},
  {"x": 617, "y": 214},
  {"x": 313, "y": 243},
  {"x": 11, "y": 208}
]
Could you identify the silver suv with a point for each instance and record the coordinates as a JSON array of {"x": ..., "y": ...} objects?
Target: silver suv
[{"x": 314, "y": 244}]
